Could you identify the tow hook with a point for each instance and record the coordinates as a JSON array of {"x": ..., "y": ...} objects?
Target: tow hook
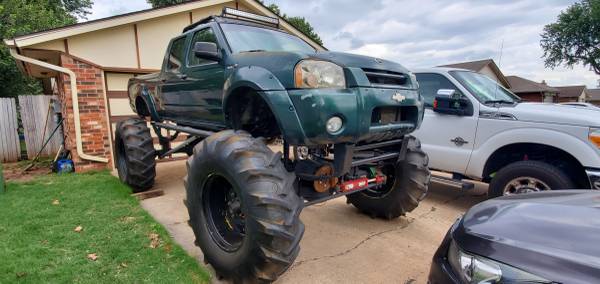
[{"x": 362, "y": 183}]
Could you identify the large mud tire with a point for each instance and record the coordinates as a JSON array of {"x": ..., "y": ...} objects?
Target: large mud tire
[
  {"x": 407, "y": 184},
  {"x": 270, "y": 207},
  {"x": 135, "y": 156}
]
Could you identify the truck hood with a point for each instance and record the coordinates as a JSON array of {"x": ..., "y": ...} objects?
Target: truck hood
[
  {"x": 282, "y": 64},
  {"x": 554, "y": 113},
  {"x": 537, "y": 232}
]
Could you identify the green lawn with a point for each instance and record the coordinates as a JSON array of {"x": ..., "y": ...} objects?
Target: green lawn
[{"x": 38, "y": 242}]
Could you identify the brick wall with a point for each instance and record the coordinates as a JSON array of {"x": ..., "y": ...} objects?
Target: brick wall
[
  {"x": 92, "y": 113},
  {"x": 531, "y": 97}
]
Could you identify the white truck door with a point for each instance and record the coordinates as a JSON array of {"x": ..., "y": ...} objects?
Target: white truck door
[{"x": 448, "y": 139}]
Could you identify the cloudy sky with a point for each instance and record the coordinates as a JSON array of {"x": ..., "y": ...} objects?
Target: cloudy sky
[{"x": 424, "y": 33}]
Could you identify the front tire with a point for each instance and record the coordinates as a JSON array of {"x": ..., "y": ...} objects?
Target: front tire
[
  {"x": 135, "y": 156},
  {"x": 243, "y": 208},
  {"x": 407, "y": 184},
  {"x": 528, "y": 176}
]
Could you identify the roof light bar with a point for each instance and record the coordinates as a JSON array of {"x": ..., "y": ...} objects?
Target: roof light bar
[{"x": 250, "y": 16}]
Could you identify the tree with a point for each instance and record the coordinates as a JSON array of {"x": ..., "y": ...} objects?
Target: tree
[
  {"x": 299, "y": 23},
  {"x": 18, "y": 17},
  {"x": 575, "y": 37},
  {"x": 162, "y": 3}
]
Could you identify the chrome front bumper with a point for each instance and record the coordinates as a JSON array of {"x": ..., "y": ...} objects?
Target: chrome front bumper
[{"x": 594, "y": 177}]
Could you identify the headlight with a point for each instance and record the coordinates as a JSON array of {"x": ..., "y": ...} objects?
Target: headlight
[
  {"x": 476, "y": 269},
  {"x": 319, "y": 74},
  {"x": 334, "y": 124},
  {"x": 594, "y": 136}
]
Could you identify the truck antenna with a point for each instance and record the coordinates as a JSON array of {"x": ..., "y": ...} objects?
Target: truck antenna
[{"x": 499, "y": 64}]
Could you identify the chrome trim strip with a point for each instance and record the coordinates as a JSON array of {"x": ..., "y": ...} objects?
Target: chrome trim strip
[{"x": 594, "y": 178}]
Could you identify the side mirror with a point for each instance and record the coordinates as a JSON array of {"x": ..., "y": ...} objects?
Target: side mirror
[
  {"x": 449, "y": 101},
  {"x": 207, "y": 50}
]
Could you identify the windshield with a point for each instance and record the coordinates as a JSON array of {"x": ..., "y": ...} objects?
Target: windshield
[
  {"x": 484, "y": 88},
  {"x": 247, "y": 38}
]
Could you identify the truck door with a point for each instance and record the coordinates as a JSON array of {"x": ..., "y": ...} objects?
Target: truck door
[
  {"x": 448, "y": 139},
  {"x": 172, "y": 91},
  {"x": 205, "y": 82}
]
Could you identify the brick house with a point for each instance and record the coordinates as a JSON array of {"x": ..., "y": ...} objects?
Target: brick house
[
  {"x": 531, "y": 91},
  {"x": 88, "y": 65},
  {"x": 593, "y": 96},
  {"x": 571, "y": 94}
]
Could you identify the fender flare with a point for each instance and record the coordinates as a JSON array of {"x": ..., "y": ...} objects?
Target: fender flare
[
  {"x": 269, "y": 88},
  {"x": 577, "y": 148},
  {"x": 149, "y": 101},
  {"x": 256, "y": 78}
]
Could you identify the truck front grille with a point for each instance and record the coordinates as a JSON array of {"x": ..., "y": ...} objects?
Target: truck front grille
[
  {"x": 382, "y": 78},
  {"x": 394, "y": 115}
]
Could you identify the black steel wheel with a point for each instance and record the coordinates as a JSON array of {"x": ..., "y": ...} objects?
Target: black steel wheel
[
  {"x": 243, "y": 207},
  {"x": 222, "y": 206},
  {"x": 406, "y": 185},
  {"x": 135, "y": 156}
]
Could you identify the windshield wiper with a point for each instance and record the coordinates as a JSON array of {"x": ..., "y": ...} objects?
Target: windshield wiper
[
  {"x": 255, "y": 50},
  {"x": 499, "y": 102}
]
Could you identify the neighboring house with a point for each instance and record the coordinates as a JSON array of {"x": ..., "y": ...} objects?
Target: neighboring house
[
  {"x": 487, "y": 67},
  {"x": 100, "y": 56},
  {"x": 531, "y": 91},
  {"x": 593, "y": 96},
  {"x": 571, "y": 94}
]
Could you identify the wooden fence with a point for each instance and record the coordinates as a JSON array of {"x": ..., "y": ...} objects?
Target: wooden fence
[
  {"x": 38, "y": 119},
  {"x": 10, "y": 148}
]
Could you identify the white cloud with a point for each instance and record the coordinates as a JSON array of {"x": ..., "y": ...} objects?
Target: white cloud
[
  {"x": 424, "y": 33},
  {"x": 107, "y": 8}
]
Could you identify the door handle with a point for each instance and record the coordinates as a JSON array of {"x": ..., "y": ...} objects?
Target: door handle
[
  {"x": 182, "y": 76},
  {"x": 459, "y": 141}
]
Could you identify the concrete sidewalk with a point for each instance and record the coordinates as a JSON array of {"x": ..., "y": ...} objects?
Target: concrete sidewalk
[{"x": 340, "y": 244}]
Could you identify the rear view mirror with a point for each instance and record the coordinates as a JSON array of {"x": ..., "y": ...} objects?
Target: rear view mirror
[
  {"x": 450, "y": 102},
  {"x": 207, "y": 50}
]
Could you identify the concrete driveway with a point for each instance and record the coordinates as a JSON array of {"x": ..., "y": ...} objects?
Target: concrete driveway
[{"x": 340, "y": 244}]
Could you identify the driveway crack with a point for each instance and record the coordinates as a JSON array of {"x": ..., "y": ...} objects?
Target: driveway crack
[
  {"x": 359, "y": 244},
  {"x": 377, "y": 234}
]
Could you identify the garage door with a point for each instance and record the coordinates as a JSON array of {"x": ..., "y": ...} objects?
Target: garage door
[{"x": 119, "y": 109}]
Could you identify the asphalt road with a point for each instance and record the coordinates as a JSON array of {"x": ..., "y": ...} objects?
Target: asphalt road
[{"x": 340, "y": 244}]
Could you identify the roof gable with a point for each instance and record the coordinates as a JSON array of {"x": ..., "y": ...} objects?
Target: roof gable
[
  {"x": 143, "y": 15},
  {"x": 479, "y": 65}
]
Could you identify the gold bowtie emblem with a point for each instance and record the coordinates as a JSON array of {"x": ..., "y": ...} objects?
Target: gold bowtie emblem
[{"x": 398, "y": 97}]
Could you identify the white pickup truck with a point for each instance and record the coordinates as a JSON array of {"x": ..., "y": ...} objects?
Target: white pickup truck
[{"x": 476, "y": 129}]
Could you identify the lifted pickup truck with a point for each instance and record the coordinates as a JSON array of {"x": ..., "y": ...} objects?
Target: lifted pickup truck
[
  {"x": 235, "y": 81},
  {"x": 477, "y": 129}
]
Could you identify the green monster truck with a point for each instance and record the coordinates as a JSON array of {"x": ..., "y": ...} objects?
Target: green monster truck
[{"x": 232, "y": 83}]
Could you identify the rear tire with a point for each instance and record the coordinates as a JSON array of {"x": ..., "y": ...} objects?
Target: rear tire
[
  {"x": 256, "y": 237},
  {"x": 540, "y": 175},
  {"x": 407, "y": 184},
  {"x": 135, "y": 154}
]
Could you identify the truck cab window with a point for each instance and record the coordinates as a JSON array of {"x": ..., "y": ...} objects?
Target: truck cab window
[
  {"x": 430, "y": 83},
  {"x": 176, "y": 55},
  {"x": 205, "y": 35}
]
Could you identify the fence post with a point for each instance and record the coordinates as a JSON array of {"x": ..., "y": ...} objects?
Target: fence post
[{"x": 1, "y": 179}]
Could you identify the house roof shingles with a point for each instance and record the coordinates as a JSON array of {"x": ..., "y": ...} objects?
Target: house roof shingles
[
  {"x": 471, "y": 65},
  {"x": 593, "y": 94},
  {"x": 522, "y": 85},
  {"x": 570, "y": 91}
]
